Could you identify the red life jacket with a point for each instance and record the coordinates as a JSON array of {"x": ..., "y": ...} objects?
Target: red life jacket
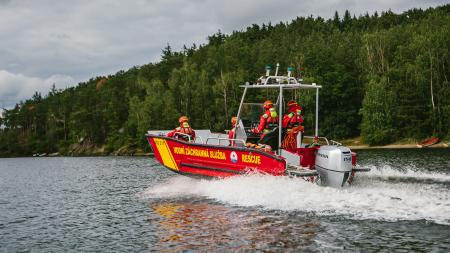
[
  {"x": 293, "y": 118},
  {"x": 267, "y": 122},
  {"x": 231, "y": 135},
  {"x": 271, "y": 120},
  {"x": 184, "y": 129}
]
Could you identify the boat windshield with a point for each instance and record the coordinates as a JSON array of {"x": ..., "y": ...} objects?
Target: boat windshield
[{"x": 250, "y": 114}]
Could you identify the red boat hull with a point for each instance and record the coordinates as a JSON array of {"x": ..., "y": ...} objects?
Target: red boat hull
[{"x": 213, "y": 161}]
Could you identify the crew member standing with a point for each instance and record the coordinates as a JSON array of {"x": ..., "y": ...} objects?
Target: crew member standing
[
  {"x": 183, "y": 130},
  {"x": 292, "y": 121},
  {"x": 293, "y": 117},
  {"x": 268, "y": 121},
  {"x": 231, "y": 133}
]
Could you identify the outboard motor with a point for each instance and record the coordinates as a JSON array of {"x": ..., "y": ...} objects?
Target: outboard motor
[{"x": 334, "y": 165}]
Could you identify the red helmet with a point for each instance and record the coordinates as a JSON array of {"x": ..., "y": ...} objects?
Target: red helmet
[
  {"x": 268, "y": 104},
  {"x": 291, "y": 103},
  {"x": 183, "y": 119},
  {"x": 233, "y": 120}
]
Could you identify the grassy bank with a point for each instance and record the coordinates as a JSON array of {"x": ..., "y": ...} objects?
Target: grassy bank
[{"x": 357, "y": 143}]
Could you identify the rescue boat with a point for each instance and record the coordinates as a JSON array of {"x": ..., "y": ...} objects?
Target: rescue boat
[{"x": 314, "y": 158}]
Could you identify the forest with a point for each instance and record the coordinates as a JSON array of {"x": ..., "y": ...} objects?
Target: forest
[{"x": 384, "y": 77}]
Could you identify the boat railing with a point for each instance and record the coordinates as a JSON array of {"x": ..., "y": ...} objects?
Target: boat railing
[
  {"x": 335, "y": 143},
  {"x": 189, "y": 137},
  {"x": 199, "y": 138},
  {"x": 317, "y": 137},
  {"x": 329, "y": 142},
  {"x": 183, "y": 135},
  {"x": 219, "y": 139},
  {"x": 264, "y": 80}
]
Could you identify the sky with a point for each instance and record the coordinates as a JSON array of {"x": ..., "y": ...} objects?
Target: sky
[{"x": 63, "y": 42}]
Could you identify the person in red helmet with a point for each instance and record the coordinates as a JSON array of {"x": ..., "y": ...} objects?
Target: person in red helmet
[
  {"x": 183, "y": 130},
  {"x": 232, "y": 131},
  {"x": 292, "y": 121},
  {"x": 268, "y": 121},
  {"x": 293, "y": 117}
]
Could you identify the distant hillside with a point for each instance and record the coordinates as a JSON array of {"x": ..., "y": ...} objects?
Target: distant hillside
[{"x": 385, "y": 77}]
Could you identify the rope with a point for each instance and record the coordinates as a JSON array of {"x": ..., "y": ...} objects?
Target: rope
[{"x": 290, "y": 140}]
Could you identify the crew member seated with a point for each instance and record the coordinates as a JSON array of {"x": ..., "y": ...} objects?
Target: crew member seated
[
  {"x": 183, "y": 130},
  {"x": 268, "y": 122},
  {"x": 231, "y": 133}
]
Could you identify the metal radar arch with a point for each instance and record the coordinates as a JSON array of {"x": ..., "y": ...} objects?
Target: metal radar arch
[{"x": 280, "y": 83}]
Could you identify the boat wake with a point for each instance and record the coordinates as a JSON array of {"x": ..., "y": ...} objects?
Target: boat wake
[
  {"x": 408, "y": 198},
  {"x": 408, "y": 174}
]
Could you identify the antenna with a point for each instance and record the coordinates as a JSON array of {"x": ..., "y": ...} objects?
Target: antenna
[
  {"x": 268, "y": 68},
  {"x": 290, "y": 69}
]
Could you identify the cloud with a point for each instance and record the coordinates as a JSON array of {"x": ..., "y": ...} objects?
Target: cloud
[
  {"x": 87, "y": 38},
  {"x": 17, "y": 87}
]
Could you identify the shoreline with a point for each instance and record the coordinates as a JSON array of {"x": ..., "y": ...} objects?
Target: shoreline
[
  {"x": 396, "y": 146},
  {"x": 357, "y": 144},
  {"x": 350, "y": 144}
]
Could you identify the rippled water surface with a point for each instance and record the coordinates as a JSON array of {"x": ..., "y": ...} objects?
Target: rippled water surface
[{"x": 133, "y": 204}]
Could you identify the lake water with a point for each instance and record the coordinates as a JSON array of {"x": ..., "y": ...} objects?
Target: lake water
[{"x": 117, "y": 204}]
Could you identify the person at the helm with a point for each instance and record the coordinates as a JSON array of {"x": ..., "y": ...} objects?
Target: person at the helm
[
  {"x": 183, "y": 130},
  {"x": 268, "y": 121}
]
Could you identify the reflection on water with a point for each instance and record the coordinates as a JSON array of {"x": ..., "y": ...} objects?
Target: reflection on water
[
  {"x": 184, "y": 225},
  {"x": 131, "y": 204}
]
